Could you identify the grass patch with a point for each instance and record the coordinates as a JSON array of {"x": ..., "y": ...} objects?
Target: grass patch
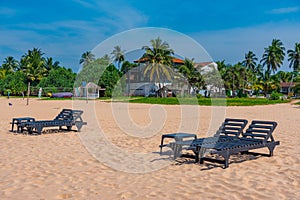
[{"x": 207, "y": 101}]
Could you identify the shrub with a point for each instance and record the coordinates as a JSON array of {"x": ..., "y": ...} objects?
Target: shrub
[{"x": 275, "y": 95}]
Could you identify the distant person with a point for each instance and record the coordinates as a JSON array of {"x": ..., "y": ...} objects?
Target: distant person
[
  {"x": 40, "y": 93},
  {"x": 8, "y": 94}
]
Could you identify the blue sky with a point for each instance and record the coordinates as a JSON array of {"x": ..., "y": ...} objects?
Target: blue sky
[{"x": 64, "y": 29}]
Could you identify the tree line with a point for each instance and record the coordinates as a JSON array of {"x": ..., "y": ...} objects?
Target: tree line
[
  {"x": 262, "y": 75},
  {"x": 34, "y": 69}
]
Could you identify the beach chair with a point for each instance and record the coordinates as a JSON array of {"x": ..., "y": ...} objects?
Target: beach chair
[
  {"x": 258, "y": 135},
  {"x": 230, "y": 129},
  {"x": 67, "y": 118}
]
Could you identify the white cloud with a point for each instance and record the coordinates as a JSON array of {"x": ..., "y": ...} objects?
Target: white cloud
[
  {"x": 121, "y": 18},
  {"x": 232, "y": 44},
  {"x": 66, "y": 40},
  {"x": 284, "y": 10}
]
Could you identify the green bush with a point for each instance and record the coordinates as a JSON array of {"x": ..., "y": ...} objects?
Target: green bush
[
  {"x": 275, "y": 95},
  {"x": 199, "y": 96}
]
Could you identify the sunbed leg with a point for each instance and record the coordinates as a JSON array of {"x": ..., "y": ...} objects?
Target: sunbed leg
[
  {"x": 271, "y": 149},
  {"x": 226, "y": 159},
  {"x": 176, "y": 150},
  {"x": 196, "y": 156},
  {"x": 200, "y": 154},
  {"x": 30, "y": 130},
  {"x": 78, "y": 126},
  {"x": 39, "y": 130}
]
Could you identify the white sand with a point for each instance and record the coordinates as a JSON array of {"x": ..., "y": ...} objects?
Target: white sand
[{"x": 58, "y": 165}]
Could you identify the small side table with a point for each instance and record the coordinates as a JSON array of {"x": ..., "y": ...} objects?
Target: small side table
[
  {"x": 177, "y": 137},
  {"x": 17, "y": 121}
]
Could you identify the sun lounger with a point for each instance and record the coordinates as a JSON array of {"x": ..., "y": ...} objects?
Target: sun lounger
[
  {"x": 229, "y": 130},
  {"x": 258, "y": 135},
  {"x": 18, "y": 121},
  {"x": 67, "y": 118}
]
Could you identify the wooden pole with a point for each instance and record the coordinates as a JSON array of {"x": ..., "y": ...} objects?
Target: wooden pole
[{"x": 28, "y": 92}]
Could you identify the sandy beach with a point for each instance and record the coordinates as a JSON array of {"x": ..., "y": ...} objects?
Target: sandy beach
[{"x": 59, "y": 165}]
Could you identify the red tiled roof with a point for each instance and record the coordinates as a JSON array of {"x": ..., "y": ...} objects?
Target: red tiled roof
[
  {"x": 177, "y": 60},
  {"x": 202, "y": 64},
  {"x": 287, "y": 84}
]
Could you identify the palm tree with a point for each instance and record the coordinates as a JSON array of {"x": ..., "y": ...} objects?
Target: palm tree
[
  {"x": 10, "y": 64},
  {"x": 273, "y": 56},
  {"x": 118, "y": 55},
  {"x": 268, "y": 82},
  {"x": 158, "y": 60},
  {"x": 250, "y": 61},
  {"x": 193, "y": 76},
  {"x": 250, "y": 64},
  {"x": 284, "y": 76},
  {"x": 33, "y": 66},
  {"x": 242, "y": 77},
  {"x": 294, "y": 57},
  {"x": 50, "y": 65},
  {"x": 106, "y": 58},
  {"x": 87, "y": 58},
  {"x": 221, "y": 67},
  {"x": 230, "y": 78}
]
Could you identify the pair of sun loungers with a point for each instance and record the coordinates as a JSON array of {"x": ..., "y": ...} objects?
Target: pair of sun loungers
[
  {"x": 230, "y": 139},
  {"x": 67, "y": 118}
]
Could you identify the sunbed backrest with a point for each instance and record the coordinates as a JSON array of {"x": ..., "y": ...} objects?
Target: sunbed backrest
[
  {"x": 232, "y": 127},
  {"x": 261, "y": 130},
  {"x": 65, "y": 114},
  {"x": 76, "y": 114}
]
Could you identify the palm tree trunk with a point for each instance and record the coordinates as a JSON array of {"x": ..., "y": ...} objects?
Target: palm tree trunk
[{"x": 28, "y": 92}]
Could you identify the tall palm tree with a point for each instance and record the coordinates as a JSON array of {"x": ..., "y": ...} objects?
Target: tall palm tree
[
  {"x": 33, "y": 66},
  {"x": 273, "y": 56},
  {"x": 250, "y": 61},
  {"x": 118, "y": 55},
  {"x": 10, "y": 64},
  {"x": 158, "y": 59},
  {"x": 87, "y": 58},
  {"x": 294, "y": 57}
]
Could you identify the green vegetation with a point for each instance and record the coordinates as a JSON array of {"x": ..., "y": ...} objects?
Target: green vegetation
[
  {"x": 100, "y": 72},
  {"x": 33, "y": 71},
  {"x": 251, "y": 75},
  {"x": 207, "y": 101}
]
